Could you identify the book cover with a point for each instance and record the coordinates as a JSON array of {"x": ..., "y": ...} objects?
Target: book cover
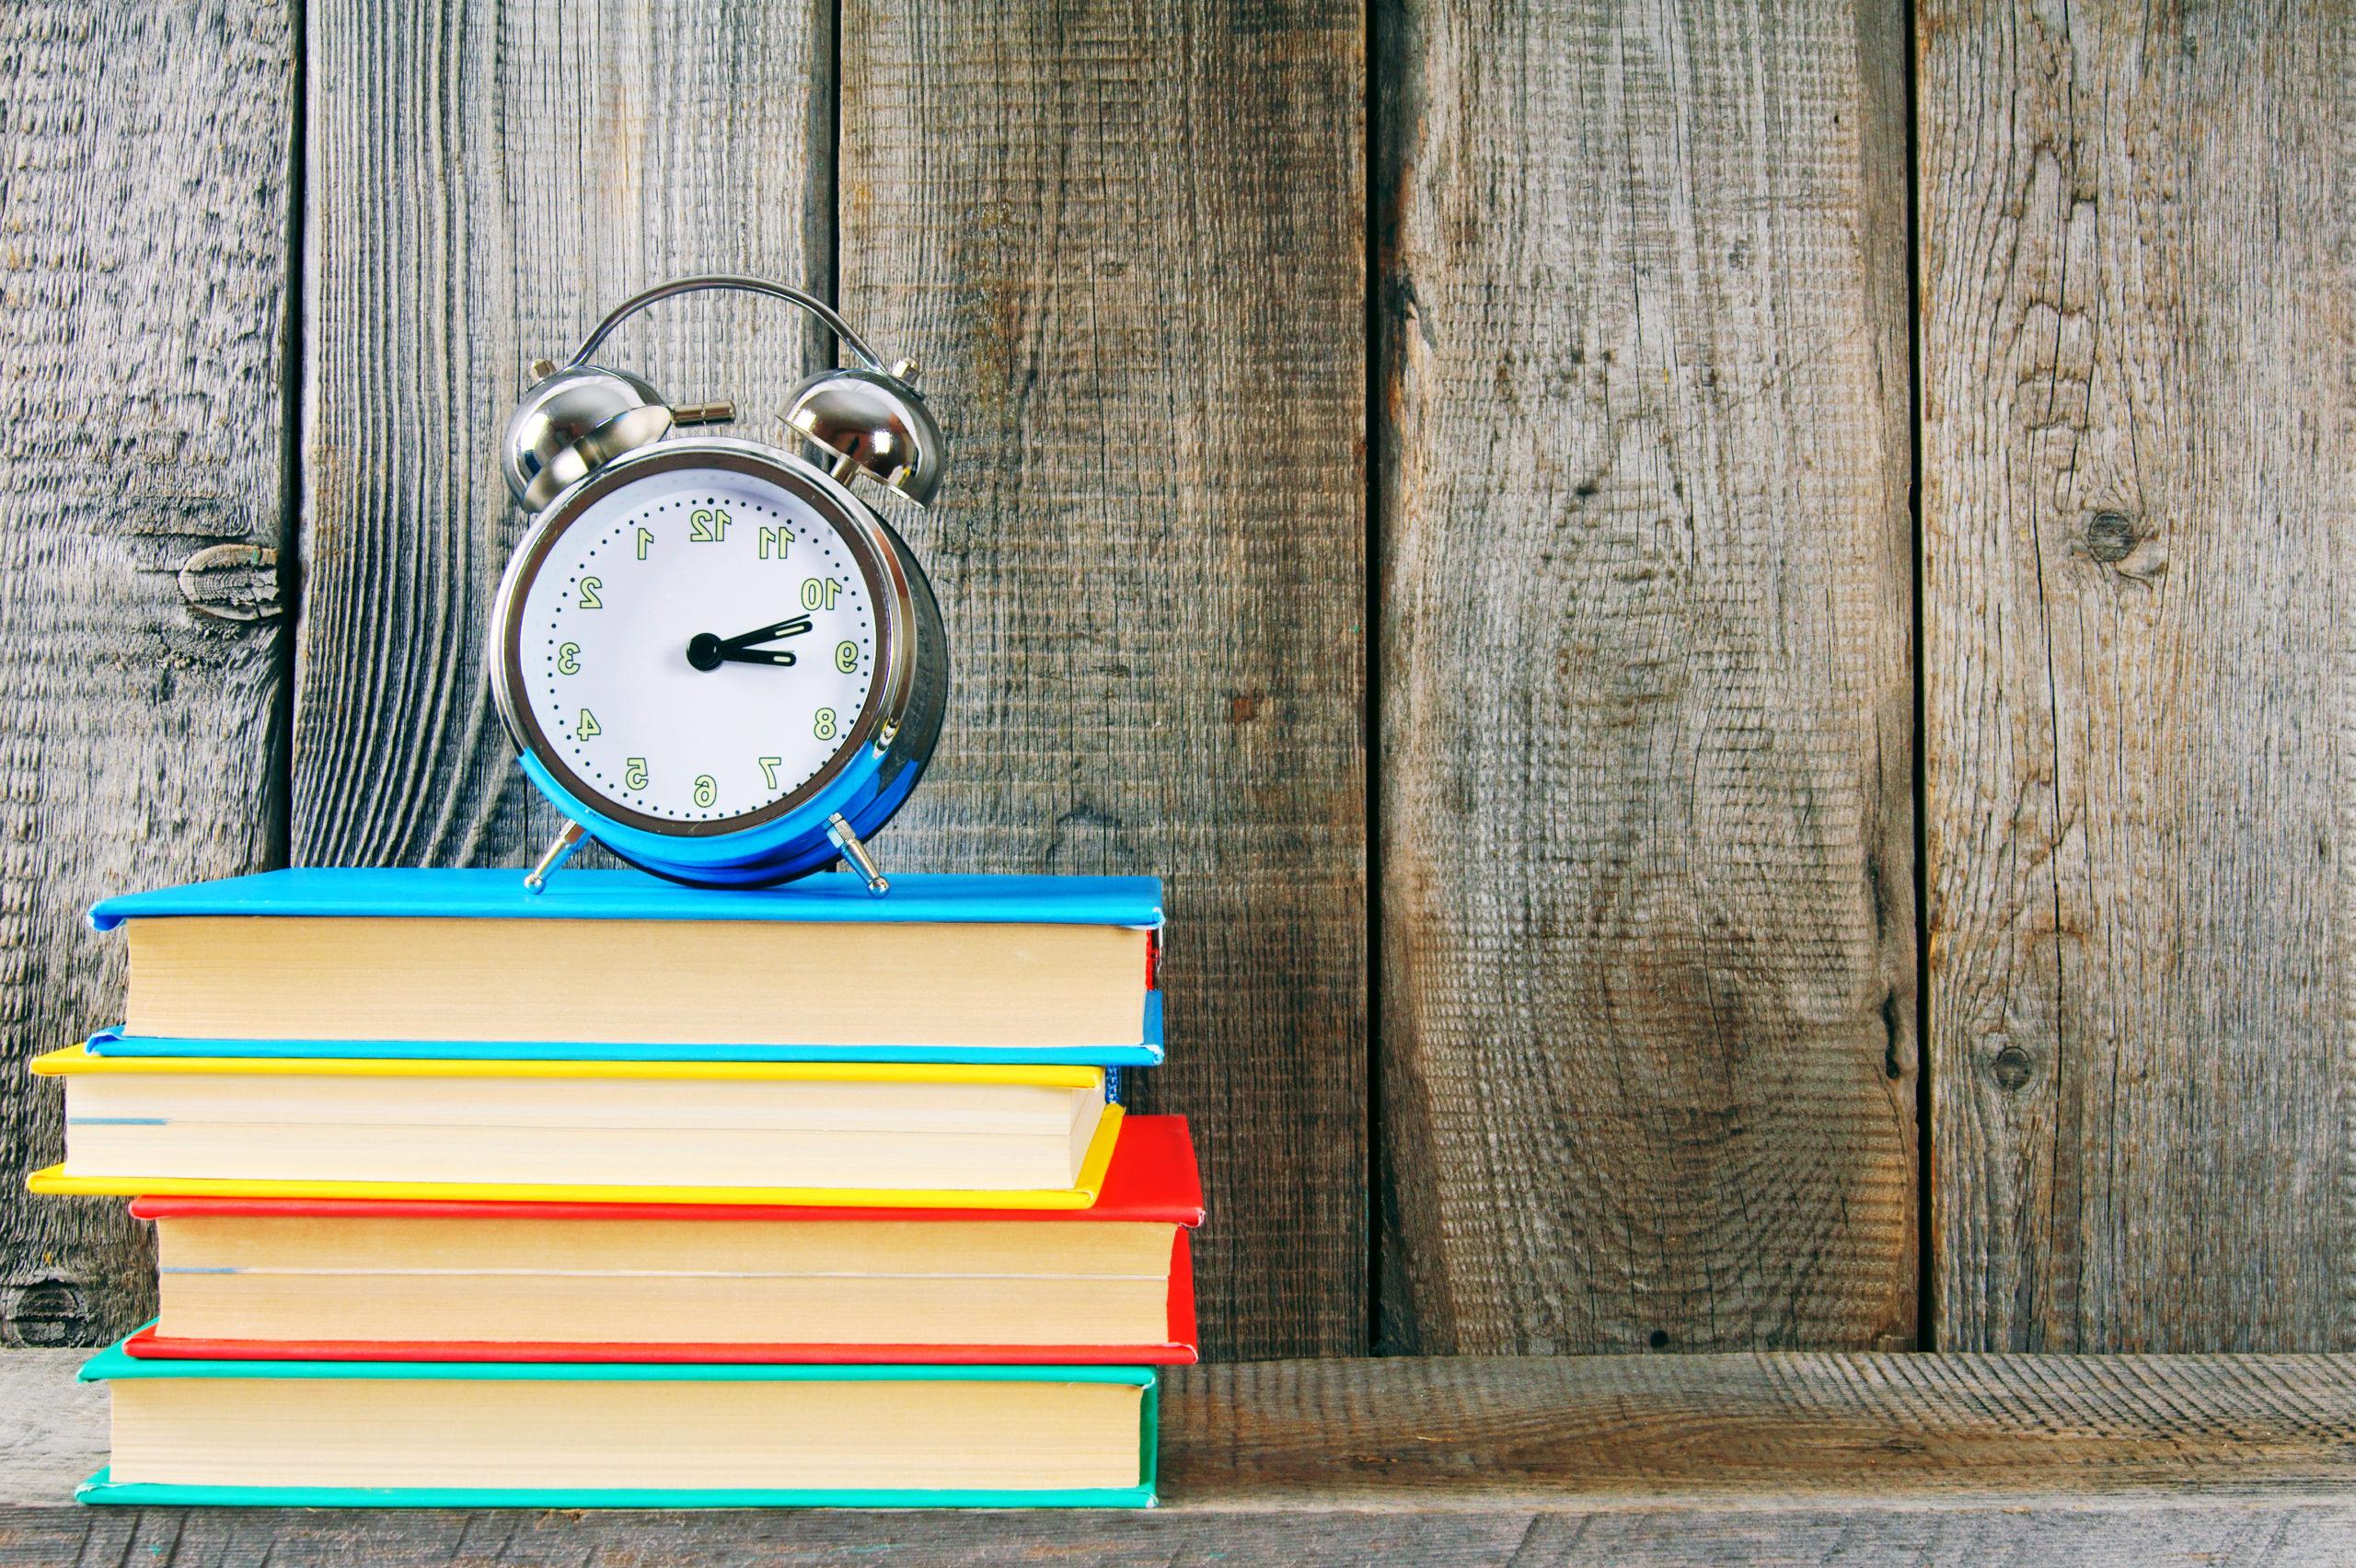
[
  {"x": 1146, "y": 1052},
  {"x": 1179, "y": 1349},
  {"x": 113, "y": 1365},
  {"x": 1151, "y": 1178},
  {"x": 1150, "y": 1175},
  {"x": 499, "y": 895},
  {"x": 1024, "y": 969},
  {"x": 72, "y": 1060}
]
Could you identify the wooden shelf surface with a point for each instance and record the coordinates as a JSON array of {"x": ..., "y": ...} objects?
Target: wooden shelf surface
[{"x": 1620, "y": 1460}]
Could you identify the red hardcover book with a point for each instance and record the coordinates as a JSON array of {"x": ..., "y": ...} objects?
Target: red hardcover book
[{"x": 288, "y": 1259}]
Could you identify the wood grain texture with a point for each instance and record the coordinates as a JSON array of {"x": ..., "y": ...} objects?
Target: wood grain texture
[
  {"x": 144, "y": 155},
  {"x": 2136, "y": 409},
  {"x": 1418, "y": 1431},
  {"x": 2263, "y": 1534},
  {"x": 1647, "y": 1031},
  {"x": 1608, "y": 1459},
  {"x": 53, "y": 1429},
  {"x": 1126, "y": 243},
  {"x": 485, "y": 182}
]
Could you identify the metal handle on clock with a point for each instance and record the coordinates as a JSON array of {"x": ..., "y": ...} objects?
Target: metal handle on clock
[
  {"x": 827, "y": 314},
  {"x": 871, "y": 420}
]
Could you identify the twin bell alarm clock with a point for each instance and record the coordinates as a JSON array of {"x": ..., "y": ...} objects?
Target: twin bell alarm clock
[{"x": 713, "y": 655}]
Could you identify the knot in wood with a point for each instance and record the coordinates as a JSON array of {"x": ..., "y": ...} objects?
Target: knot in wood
[
  {"x": 2111, "y": 536},
  {"x": 48, "y": 1312},
  {"x": 2012, "y": 1067},
  {"x": 232, "y": 583}
]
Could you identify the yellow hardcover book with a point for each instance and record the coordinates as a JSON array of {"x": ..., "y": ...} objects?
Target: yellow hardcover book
[
  {"x": 858, "y": 1135},
  {"x": 79, "y": 1059}
]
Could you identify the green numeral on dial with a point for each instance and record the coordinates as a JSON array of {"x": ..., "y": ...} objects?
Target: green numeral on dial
[
  {"x": 768, "y": 768},
  {"x": 818, "y": 593},
  {"x": 633, "y": 773},
  {"x": 822, "y": 723},
  {"x": 773, "y": 540},
  {"x": 706, "y": 526},
  {"x": 707, "y": 788},
  {"x": 645, "y": 539},
  {"x": 589, "y": 600},
  {"x": 587, "y": 727},
  {"x": 568, "y": 659},
  {"x": 846, "y": 657}
]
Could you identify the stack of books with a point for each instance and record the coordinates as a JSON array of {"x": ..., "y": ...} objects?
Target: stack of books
[{"x": 634, "y": 1194}]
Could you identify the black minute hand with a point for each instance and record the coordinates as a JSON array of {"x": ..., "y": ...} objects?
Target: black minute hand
[{"x": 793, "y": 628}]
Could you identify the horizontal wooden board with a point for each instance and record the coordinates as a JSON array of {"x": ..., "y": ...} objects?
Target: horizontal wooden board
[
  {"x": 2273, "y": 1533},
  {"x": 1411, "y": 1431},
  {"x": 1420, "y": 1432},
  {"x": 1702, "y": 1458}
]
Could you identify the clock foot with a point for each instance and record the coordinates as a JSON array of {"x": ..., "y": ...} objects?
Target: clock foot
[
  {"x": 855, "y": 855},
  {"x": 559, "y": 851}
]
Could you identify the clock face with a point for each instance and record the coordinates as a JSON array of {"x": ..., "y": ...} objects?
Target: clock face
[{"x": 694, "y": 647}]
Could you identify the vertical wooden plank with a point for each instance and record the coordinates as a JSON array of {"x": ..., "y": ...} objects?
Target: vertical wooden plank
[
  {"x": 144, "y": 151},
  {"x": 2137, "y": 347},
  {"x": 1128, "y": 243},
  {"x": 484, "y": 183},
  {"x": 1647, "y": 1039}
]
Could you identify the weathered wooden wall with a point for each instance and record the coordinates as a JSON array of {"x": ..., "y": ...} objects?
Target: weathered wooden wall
[
  {"x": 2137, "y": 355},
  {"x": 1127, "y": 241},
  {"x": 145, "y": 292},
  {"x": 482, "y": 182},
  {"x": 1435, "y": 485},
  {"x": 1648, "y": 1040}
]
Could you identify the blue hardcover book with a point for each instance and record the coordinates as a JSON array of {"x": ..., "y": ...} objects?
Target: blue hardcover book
[
  {"x": 567, "y": 1435},
  {"x": 621, "y": 966}
]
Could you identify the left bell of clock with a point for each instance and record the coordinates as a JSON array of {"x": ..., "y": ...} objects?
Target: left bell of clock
[{"x": 575, "y": 419}]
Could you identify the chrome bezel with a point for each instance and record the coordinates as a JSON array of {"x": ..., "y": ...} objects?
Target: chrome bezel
[{"x": 889, "y": 696}]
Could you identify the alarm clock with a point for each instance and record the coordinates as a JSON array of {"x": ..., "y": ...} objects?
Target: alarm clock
[{"x": 713, "y": 656}]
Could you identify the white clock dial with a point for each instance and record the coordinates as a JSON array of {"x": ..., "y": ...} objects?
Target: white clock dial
[{"x": 697, "y": 645}]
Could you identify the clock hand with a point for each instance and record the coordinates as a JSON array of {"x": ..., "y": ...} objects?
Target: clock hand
[
  {"x": 793, "y": 628},
  {"x": 705, "y": 650}
]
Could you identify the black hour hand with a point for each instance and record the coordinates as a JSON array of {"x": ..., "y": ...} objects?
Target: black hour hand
[{"x": 706, "y": 651}]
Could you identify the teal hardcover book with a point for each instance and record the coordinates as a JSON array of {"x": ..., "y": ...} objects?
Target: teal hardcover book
[
  {"x": 528, "y": 1435},
  {"x": 832, "y": 897},
  {"x": 391, "y": 964}
]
